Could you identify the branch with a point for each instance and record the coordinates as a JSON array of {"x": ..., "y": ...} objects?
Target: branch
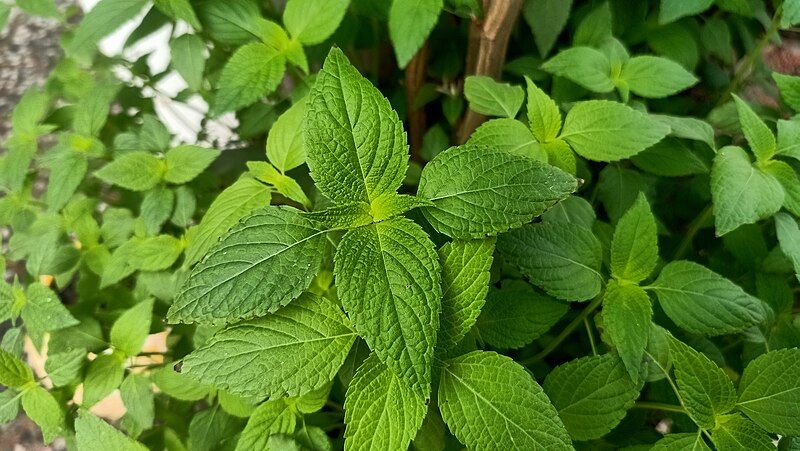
[{"x": 415, "y": 78}]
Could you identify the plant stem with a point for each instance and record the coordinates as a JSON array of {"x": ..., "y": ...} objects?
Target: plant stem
[
  {"x": 590, "y": 334},
  {"x": 659, "y": 406},
  {"x": 565, "y": 332},
  {"x": 694, "y": 227}
]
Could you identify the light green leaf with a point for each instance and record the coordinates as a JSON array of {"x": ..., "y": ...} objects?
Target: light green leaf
[
  {"x": 465, "y": 282},
  {"x": 595, "y": 28},
  {"x": 13, "y": 371},
  {"x": 17, "y": 160},
  {"x": 94, "y": 434},
  {"x": 601, "y": 130},
  {"x": 252, "y": 72},
  {"x": 627, "y": 316},
  {"x": 210, "y": 427},
  {"x": 105, "y": 17},
  {"x": 688, "y": 128},
  {"x": 543, "y": 113},
  {"x": 262, "y": 264},
  {"x": 232, "y": 22},
  {"x": 741, "y": 192},
  {"x": 179, "y": 10},
  {"x": 64, "y": 367},
  {"x": 655, "y": 77},
  {"x": 410, "y": 23},
  {"x": 188, "y": 59},
  {"x": 789, "y": 180},
  {"x": 9, "y": 404},
  {"x": 388, "y": 280},
  {"x": 43, "y": 311},
  {"x": 681, "y": 442},
  {"x": 283, "y": 184},
  {"x": 585, "y": 66},
  {"x": 703, "y": 302},
  {"x": 271, "y": 417},
  {"x": 381, "y": 411},
  {"x": 44, "y": 410},
  {"x": 154, "y": 253},
  {"x": 137, "y": 397},
  {"x": 185, "y": 205},
  {"x": 789, "y": 138},
  {"x": 44, "y": 8},
  {"x": 562, "y": 259},
  {"x": 789, "y": 86},
  {"x": 310, "y": 336},
  {"x": 789, "y": 239},
  {"x": 156, "y": 208},
  {"x": 343, "y": 216},
  {"x": 179, "y": 385},
  {"x": 355, "y": 142},
  {"x": 509, "y": 135},
  {"x": 103, "y": 376},
  {"x": 591, "y": 394},
  {"x": 285, "y": 139},
  {"x": 91, "y": 112},
  {"x": 672, "y": 10},
  {"x": 131, "y": 328},
  {"x": 231, "y": 205},
  {"x": 547, "y": 19},
  {"x": 481, "y": 191},
  {"x": 136, "y": 171},
  {"x": 705, "y": 390},
  {"x": 759, "y": 136},
  {"x": 515, "y": 315},
  {"x": 490, "y": 402},
  {"x": 769, "y": 391},
  {"x": 30, "y": 111},
  {"x": 493, "y": 98},
  {"x": 186, "y": 162},
  {"x": 634, "y": 249},
  {"x": 735, "y": 432},
  {"x": 313, "y": 21},
  {"x": 670, "y": 157},
  {"x": 67, "y": 171},
  {"x": 573, "y": 209}
]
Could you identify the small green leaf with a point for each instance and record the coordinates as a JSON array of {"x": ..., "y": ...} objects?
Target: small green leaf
[
  {"x": 759, "y": 136},
  {"x": 251, "y": 73},
  {"x": 313, "y": 21},
  {"x": 585, "y": 66},
  {"x": 137, "y": 397},
  {"x": 508, "y": 135},
  {"x": 627, "y": 316},
  {"x": 105, "y": 17},
  {"x": 493, "y": 98},
  {"x": 670, "y": 157},
  {"x": 13, "y": 371},
  {"x": 737, "y": 432},
  {"x": 232, "y": 22},
  {"x": 672, "y": 10},
  {"x": 271, "y": 417},
  {"x": 655, "y": 77},
  {"x": 543, "y": 113},
  {"x": 410, "y": 23},
  {"x": 64, "y": 367},
  {"x": 680, "y": 442},
  {"x": 634, "y": 249},
  {"x": 103, "y": 376},
  {"x": 547, "y": 19},
  {"x": 595, "y": 28},
  {"x": 285, "y": 139},
  {"x": 179, "y": 385},
  {"x": 211, "y": 427},
  {"x": 179, "y": 10},
  {"x": 131, "y": 328},
  {"x": 186, "y": 162},
  {"x": 44, "y": 410},
  {"x": 94, "y": 434},
  {"x": 789, "y": 239},
  {"x": 43, "y": 311},
  {"x": 789, "y": 86},
  {"x": 136, "y": 171},
  {"x": 769, "y": 392},
  {"x": 188, "y": 59}
]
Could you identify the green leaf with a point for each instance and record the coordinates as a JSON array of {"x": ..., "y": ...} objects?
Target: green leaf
[
  {"x": 562, "y": 259},
  {"x": 44, "y": 410},
  {"x": 705, "y": 390},
  {"x": 185, "y": 205},
  {"x": 355, "y": 142},
  {"x": 594, "y": 30},
  {"x": 508, "y": 135},
  {"x": 156, "y": 208},
  {"x": 739, "y": 433},
  {"x": 703, "y": 302},
  {"x": 490, "y": 402},
  {"x": 16, "y": 162},
  {"x": 64, "y": 367},
  {"x": 9, "y": 405},
  {"x": 13, "y": 371},
  {"x": 672, "y": 10},
  {"x": 741, "y": 192},
  {"x": 44, "y": 8},
  {"x": 271, "y": 417},
  {"x": 789, "y": 86},
  {"x": 186, "y": 162},
  {"x": 103, "y": 376},
  {"x": 231, "y": 205},
  {"x": 670, "y": 157},
  {"x": 67, "y": 171},
  {"x": 627, "y": 316},
  {"x": 30, "y": 111},
  {"x": 43, "y": 311},
  {"x": 136, "y": 171},
  {"x": 688, "y": 128},
  {"x": 789, "y": 138},
  {"x": 634, "y": 249},
  {"x": 137, "y": 397},
  {"x": 154, "y": 253},
  {"x": 573, "y": 209},
  {"x": 388, "y": 280},
  {"x": 266, "y": 261},
  {"x": 91, "y": 112},
  {"x": 284, "y": 184},
  {"x": 188, "y": 59},
  {"x": 310, "y": 336},
  {"x": 313, "y": 21},
  {"x": 481, "y": 191},
  {"x": 591, "y": 394},
  {"x": 585, "y": 66},
  {"x": 601, "y": 130},
  {"x": 211, "y": 427},
  {"x": 105, "y": 17},
  {"x": 769, "y": 391},
  {"x": 759, "y": 136},
  {"x": 493, "y": 98},
  {"x": 543, "y": 113},
  {"x": 547, "y": 19},
  {"x": 131, "y": 328},
  {"x": 465, "y": 282},
  {"x": 515, "y": 315},
  {"x": 232, "y": 22},
  {"x": 381, "y": 411},
  {"x": 179, "y": 10},
  {"x": 94, "y": 434},
  {"x": 252, "y": 72},
  {"x": 680, "y": 442},
  {"x": 789, "y": 239},
  {"x": 344, "y": 216},
  {"x": 410, "y": 23},
  {"x": 178, "y": 385},
  {"x": 655, "y": 77},
  {"x": 285, "y": 139}
]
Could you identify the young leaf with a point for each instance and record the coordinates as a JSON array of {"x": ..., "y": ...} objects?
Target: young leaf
[
  {"x": 156, "y": 208},
  {"x": 137, "y": 397},
  {"x": 64, "y": 367},
  {"x": 627, "y": 316},
  {"x": 136, "y": 171},
  {"x": 184, "y": 163},
  {"x": 103, "y": 376},
  {"x": 688, "y": 128},
  {"x": 562, "y": 259},
  {"x": 252, "y": 72},
  {"x": 483, "y": 191},
  {"x": 741, "y": 192},
  {"x": 601, "y": 130},
  {"x": 355, "y": 142},
  {"x": 381, "y": 411},
  {"x": 188, "y": 59},
  {"x": 311, "y": 337},
  {"x": 703, "y": 302},
  {"x": 465, "y": 282},
  {"x": 655, "y": 77},
  {"x": 595, "y": 28},
  {"x": 547, "y": 19},
  {"x": 67, "y": 171},
  {"x": 543, "y": 113},
  {"x": 705, "y": 390},
  {"x": 634, "y": 249},
  {"x": 9, "y": 404},
  {"x": 789, "y": 87},
  {"x": 410, "y": 23},
  {"x": 490, "y": 402},
  {"x": 769, "y": 391},
  {"x": 493, "y": 98},
  {"x": 262, "y": 264},
  {"x": 388, "y": 280},
  {"x": 285, "y": 139},
  {"x": 591, "y": 394},
  {"x": 677, "y": 442},
  {"x": 232, "y": 22},
  {"x": 44, "y": 410},
  {"x": 789, "y": 239},
  {"x": 13, "y": 372},
  {"x": 43, "y": 310},
  {"x": 585, "y": 66},
  {"x": 94, "y": 434},
  {"x": 155, "y": 253},
  {"x": 508, "y": 135},
  {"x": 737, "y": 432},
  {"x": 313, "y": 21},
  {"x": 759, "y": 136},
  {"x": 270, "y": 417},
  {"x": 131, "y": 328},
  {"x": 178, "y": 385}
]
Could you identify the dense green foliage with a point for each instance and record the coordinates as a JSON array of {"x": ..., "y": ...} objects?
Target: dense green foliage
[{"x": 610, "y": 260}]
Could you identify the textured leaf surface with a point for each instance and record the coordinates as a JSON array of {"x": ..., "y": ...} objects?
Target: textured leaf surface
[
  {"x": 130, "y": 330},
  {"x": 634, "y": 249},
  {"x": 562, "y": 259},
  {"x": 493, "y": 98},
  {"x": 263, "y": 263},
  {"x": 253, "y": 71},
  {"x": 186, "y": 162},
  {"x": 285, "y": 139},
  {"x": 313, "y": 21},
  {"x": 44, "y": 410},
  {"x": 626, "y": 317},
  {"x": 13, "y": 371},
  {"x": 703, "y": 302},
  {"x": 509, "y": 135},
  {"x": 309, "y": 339},
  {"x": 388, "y": 280},
  {"x": 585, "y": 66},
  {"x": 381, "y": 411},
  {"x": 481, "y": 191},
  {"x": 188, "y": 59},
  {"x": 94, "y": 434},
  {"x": 543, "y": 113},
  {"x": 490, "y": 402},
  {"x": 788, "y": 232},
  {"x": 136, "y": 171},
  {"x": 655, "y": 77},
  {"x": 410, "y": 23},
  {"x": 592, "y": 394},
  {"x": 271, "y": 417},
  {"x": 739, "y": 433},
  {"x": 681, "y": 442},
  {"x": 547, "y": 19},
  {"x": 769, "y": 391},
  {"x": 759, "y": 136}
]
